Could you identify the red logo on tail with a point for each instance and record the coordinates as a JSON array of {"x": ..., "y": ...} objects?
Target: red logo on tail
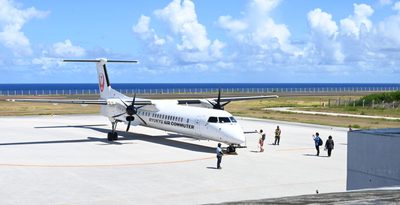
[{"x": 101, "y": 82}]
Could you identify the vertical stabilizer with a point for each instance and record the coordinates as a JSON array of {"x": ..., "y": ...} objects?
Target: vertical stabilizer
[{"x": 104, "y": 81}]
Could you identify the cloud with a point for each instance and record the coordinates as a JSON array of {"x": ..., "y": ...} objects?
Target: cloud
[
  {"x": 323, "y": 46},
  {"x": 52, "y": 56},
  {"x": 388, "y": 29},
  {"x": 66, "y": 49},
  {"x": 182, "y": 19},
  {"x": 322, "y": 23},
  {"x": 184, "y": 42},
  {"x": 258, "y": 37},
  {"x": 352, "y": 24},
  {"x": 232, "y": 25},
  {"x": 47, "y": 62},
  {"x": 12, "y": 19},
  {"x": 143, "y": 30},
  {"x": 396, "y": 6}
]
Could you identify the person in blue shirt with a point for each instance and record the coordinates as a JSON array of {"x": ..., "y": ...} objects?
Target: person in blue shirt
[
  {"x": 219, "y": 156},
  {"x": 317, "y": 140}
]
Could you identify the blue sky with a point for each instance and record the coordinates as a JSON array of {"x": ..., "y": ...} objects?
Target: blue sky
[{"x": 202, "y": 41}]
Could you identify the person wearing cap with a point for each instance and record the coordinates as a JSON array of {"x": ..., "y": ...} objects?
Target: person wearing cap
[{"x": 219, "y": 156}]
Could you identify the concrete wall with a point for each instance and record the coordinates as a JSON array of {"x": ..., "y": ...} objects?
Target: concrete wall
[{"x": 373, "y": 158}]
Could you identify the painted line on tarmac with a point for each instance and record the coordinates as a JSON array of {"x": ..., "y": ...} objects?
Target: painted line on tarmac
[{"x": 103, "y": 165}]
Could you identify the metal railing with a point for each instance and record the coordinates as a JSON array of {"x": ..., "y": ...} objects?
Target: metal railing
[{"x": 150, "y": 91}]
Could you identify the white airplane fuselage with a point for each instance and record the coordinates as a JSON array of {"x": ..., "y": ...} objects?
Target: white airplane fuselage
[{"x": 196, "y": 122}]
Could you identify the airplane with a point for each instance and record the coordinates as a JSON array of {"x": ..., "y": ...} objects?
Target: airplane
[{"x": 197, "y": 118}]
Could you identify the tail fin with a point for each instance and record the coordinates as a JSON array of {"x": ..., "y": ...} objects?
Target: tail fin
[{"x": 104, "y": 82}]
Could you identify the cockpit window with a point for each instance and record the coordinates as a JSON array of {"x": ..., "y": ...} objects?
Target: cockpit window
[
  {"x": 224, "y": 119},
  {"x": 233, "y": 119},
  {"x": 213, "y": 119}
]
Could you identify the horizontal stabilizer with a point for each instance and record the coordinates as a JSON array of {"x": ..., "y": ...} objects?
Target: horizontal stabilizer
[{"x": 100, "y": 60}]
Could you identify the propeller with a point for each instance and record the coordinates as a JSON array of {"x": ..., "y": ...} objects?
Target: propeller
[
  {"x": 131, "y": 110},
  {"x": 217, "y": 105}
]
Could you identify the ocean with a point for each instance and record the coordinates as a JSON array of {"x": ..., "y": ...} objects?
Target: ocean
[{"x": 91, "y": 88}]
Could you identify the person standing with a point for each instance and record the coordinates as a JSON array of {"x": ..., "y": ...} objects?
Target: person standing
[
  {"x": 329, "y": 144},
  {"x": 350, "y": 129},
  {"x": 261, "y": 140},
  {"x": 277, "y": 135},
  {"x": 317, "y": 141},
  {"x": 219, "y": 156}
]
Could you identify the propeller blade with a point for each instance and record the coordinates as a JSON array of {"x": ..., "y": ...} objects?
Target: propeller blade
[
  {"x": 133, "y": 101},
  {"x": 141, "y": 119},
  {"x": 126, "y": 105},
  {"x": 129, "y": 125},
  {"x": 119, "y": 115},
  {"x": 219, "y": 96},
  {"x": 211, "y": 102},
  {"x": 225, "y": 103}
]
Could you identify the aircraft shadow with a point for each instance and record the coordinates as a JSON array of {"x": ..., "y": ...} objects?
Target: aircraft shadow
[{"x": 123, "y": 136}]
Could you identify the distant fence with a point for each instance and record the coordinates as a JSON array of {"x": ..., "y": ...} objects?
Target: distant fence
[
  {"x": 203, "y": 90},
  {"x": 349, "y": 102}
]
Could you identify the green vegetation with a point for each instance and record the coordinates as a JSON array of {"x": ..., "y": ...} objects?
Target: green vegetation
[{"x": 387, "y": 97}]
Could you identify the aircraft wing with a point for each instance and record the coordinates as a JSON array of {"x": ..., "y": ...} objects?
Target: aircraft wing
[
  {"x": 87, "y": 102},
  {"x": 229, "y": 99},
  {"x": 224, "y": 99}
]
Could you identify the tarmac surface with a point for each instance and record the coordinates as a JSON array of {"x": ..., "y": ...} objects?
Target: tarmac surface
[{"x": 68, "y": 160}]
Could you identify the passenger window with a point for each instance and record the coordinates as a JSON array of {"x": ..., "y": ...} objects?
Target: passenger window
[
  {"x": 224, "y": 120},
  {"x": 232, "y": 119},
  {"x": 213, "y": 119}
]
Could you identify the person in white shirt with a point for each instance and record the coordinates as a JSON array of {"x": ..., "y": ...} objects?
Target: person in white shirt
[{"x": 219, "y": 156}]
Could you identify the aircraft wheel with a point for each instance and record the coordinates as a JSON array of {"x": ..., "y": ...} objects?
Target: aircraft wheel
[
  {"x": 115, "y": 135},
  {"x": 110, "y": 136},
  {"x": 231, "y": 149}
]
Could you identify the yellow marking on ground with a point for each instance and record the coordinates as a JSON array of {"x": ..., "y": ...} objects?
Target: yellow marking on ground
[{"x": 102, "y": 165}]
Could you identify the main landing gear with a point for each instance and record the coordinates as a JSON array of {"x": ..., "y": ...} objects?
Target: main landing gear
[
  {"x": 113, "y": 135},
  {"x": 232, "y": 148}
]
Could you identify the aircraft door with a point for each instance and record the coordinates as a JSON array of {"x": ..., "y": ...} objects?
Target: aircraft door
[{"x": 198, "y": 125}]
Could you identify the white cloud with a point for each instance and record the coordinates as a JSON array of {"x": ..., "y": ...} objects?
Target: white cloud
[
  {"x": 257, "y": 33},
  {"x": 396, "y": 6},
  {"x": 323, "y": 47},
  {"x": 233, "y": 25},
  {"x": 66, "y": 49},
  {"x": 182, "y": 19},
  {"x": 142, "y": 28},
  {"x": 352, "y": 24},
  {"x": 389, "y": 29},
  {"x": 47, "y": 62},
  {"x": 186, "y": 41},
  {"x": 322, "y": 22},
  {"x": 12, "y": 19},
  {"x": 263, "y": 7}
]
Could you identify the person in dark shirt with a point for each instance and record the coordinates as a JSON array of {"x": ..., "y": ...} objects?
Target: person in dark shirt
[{"x": 329, "y": 144}]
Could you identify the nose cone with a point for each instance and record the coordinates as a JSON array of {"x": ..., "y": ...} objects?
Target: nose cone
[{"x": 235, "y": 135}]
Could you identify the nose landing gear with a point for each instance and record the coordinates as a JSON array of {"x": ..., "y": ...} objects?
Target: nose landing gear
[{"x": 113, "y": 135}]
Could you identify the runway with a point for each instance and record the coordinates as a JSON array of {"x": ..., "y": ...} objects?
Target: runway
[{"x": 68, "y": 160}]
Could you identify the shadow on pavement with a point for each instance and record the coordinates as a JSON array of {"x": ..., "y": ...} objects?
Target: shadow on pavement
[{"x": 123, "y": 136}]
